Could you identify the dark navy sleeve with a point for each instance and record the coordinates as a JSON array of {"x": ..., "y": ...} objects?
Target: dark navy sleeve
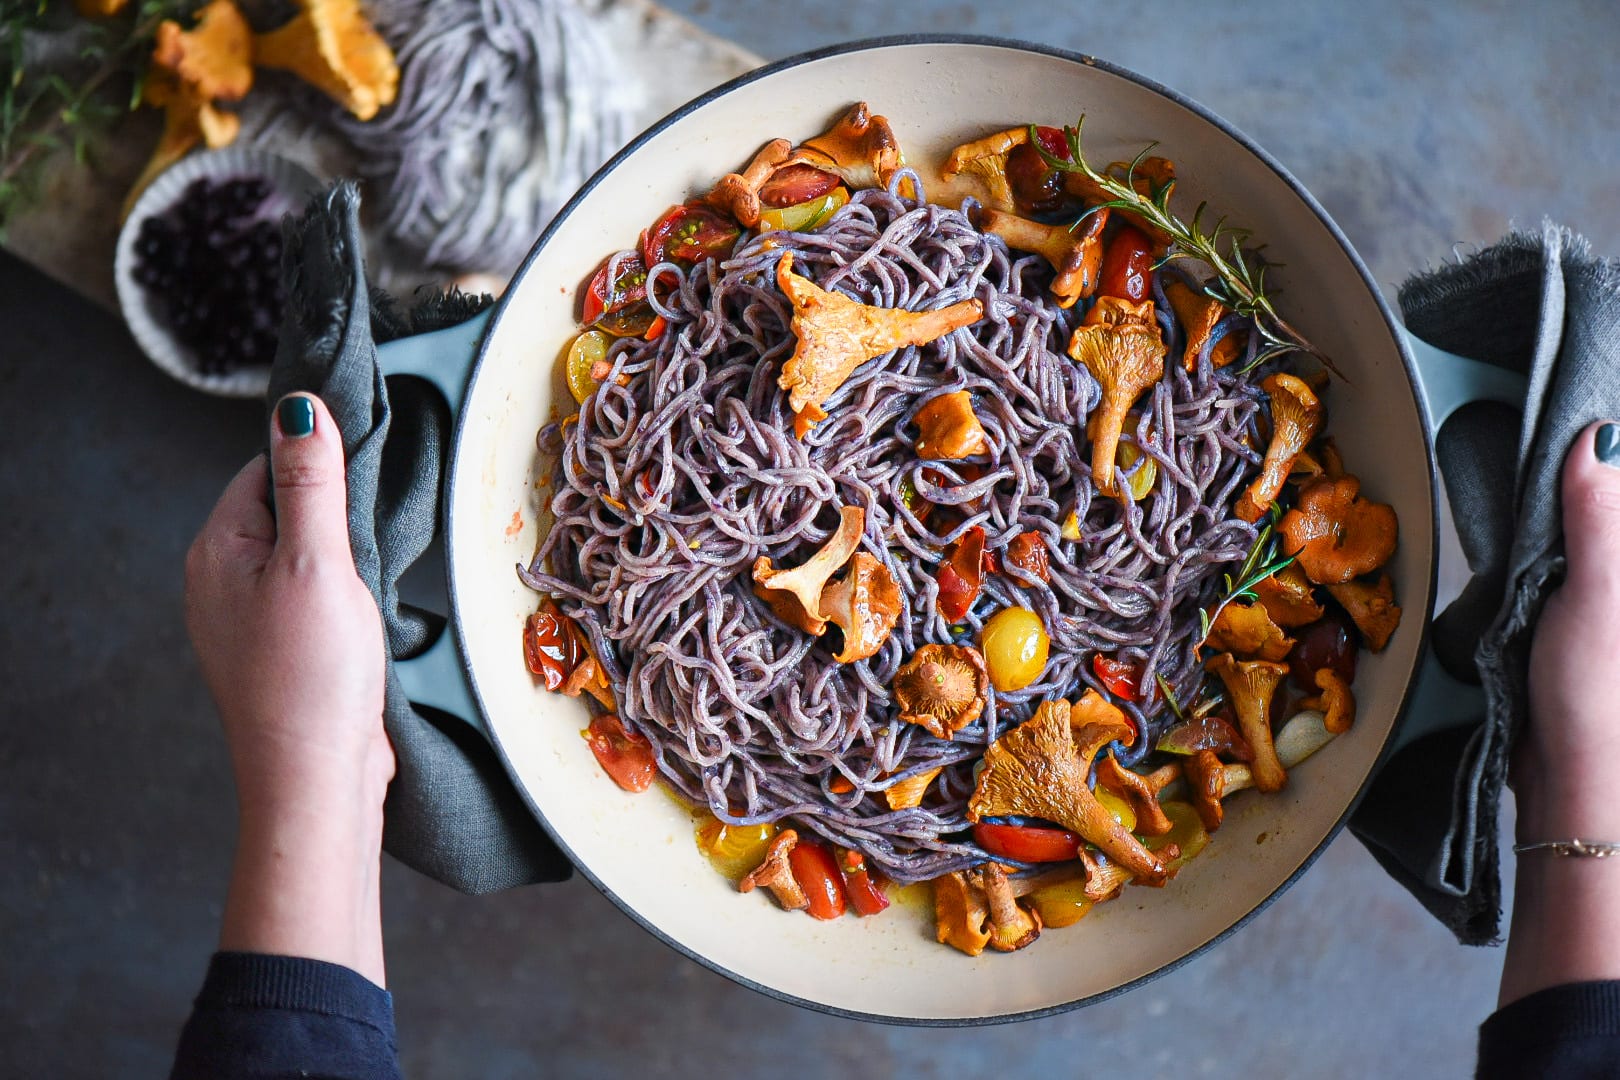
[
  {"x": 282, "y": 1016},
  {"x": 1559, "y": 1033}
]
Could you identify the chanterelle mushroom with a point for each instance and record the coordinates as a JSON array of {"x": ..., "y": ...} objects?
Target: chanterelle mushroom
[
  {"x": 795, "y": 595},
  {"x": 1209, "y": 781},
  {"x": 1371, "y": 607},
  {"x": 191, "y": 69},
  {"x": 1337, "y": 701},
  {"x": 1296, "y": 414},
  {"x": 865, "y": 604},
  {"x": 738, "y": 193},
  {"x": 942, "y": 688},
  {"x": 860, "y": 148},
  {"x": 1249, "y": 687},
  {"x": 1337, "y": 534},
  {"x": 961, "y": 913},
  {"x": 1125, "y": 359},
  {"x": 904, "y": 794},
  {"x": 949, "y": 430},
  {"x": 836, "y": 335},
  {"x": 1076, "y": 256},
  {"x": 1286, "y": 596},
  {"x": 1011, "y": 927},
  {"x": 1198, "y": 312},
  {"x": 330, "y": 45},
  {"x": 1247, "y": 630},
  {"x": 1039, "y": 769},
  {"x": 776, "y": 874},
  {"x": 986, "y": 160}
]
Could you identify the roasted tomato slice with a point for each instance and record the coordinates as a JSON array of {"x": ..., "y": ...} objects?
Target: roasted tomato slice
[
  {"x": 1127, "y": 266},
  {"x": 1028, "y": 552},
  {"x": 624, "y": 755},
  {"x": 817, "y": 874},
  {"x": 1122, "y": 679},
  {"x": 1027, "y": 843},
  {"x": 551, "y": 645},
  {"x": 690, "y": 234},
  {"x": 960, "y": 575},
  {"x": 865, "y": 892},
  {"x": 1330, "y": 642},
  {"x": 796, "y": 184}
]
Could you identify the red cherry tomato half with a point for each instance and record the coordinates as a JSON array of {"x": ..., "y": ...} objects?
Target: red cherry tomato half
[
  {"x": 817, "y": 873},
  {"x": 628, "y": 289},
  {"x": 796, "y": 184},
  {"x": 960, "y": 575},
  {"x": 866, "y": 894},
  {"x": 1053, "y": 141},
  {"x": 1122, "y": 679},
  {"x": 1028, "y": 552},
  {"x": 1027, "y": 843},
  {"x": 689, "y": 234},
  {"x": 1330, "y": 641},
  {"x": 1127, "y": 266},
  {"x": 551, "y": 645},
  {"x": 624, "y": 755}
]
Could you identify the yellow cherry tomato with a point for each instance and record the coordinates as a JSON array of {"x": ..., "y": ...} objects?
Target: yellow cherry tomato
[
  {"x": 583, "y": 354},
  {"x": 801, "y": 217},
  {"x": 1140, "y": 482},
  {"x": 1015, "y": 644},
  {"x": 1062, "y": 903},
  {"x": 1116, "y": 806},
  {"x": 1186, "y": 832},
  {"x": 734, "y": 849}
]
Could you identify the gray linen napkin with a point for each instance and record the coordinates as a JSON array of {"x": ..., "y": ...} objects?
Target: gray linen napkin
[
  {"x": 1540, "y": 304},
  {"x": 451, "y": 813}
]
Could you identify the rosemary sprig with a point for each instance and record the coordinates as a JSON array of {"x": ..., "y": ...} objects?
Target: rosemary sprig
[
  {"x": 1170, "y": 697},
  {"x": 1261, "y": 562},
  {"x": 1240, "y": 273}
]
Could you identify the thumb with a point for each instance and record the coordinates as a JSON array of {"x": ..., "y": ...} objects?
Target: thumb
[
  {"x": 1592, "y": 509},
  {"x": 306, "y": 472}
]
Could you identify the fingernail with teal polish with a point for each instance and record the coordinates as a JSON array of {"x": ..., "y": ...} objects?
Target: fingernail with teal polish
[
  {"x": 1607, "y": 444},
  {"x": 296, "y": 415}
]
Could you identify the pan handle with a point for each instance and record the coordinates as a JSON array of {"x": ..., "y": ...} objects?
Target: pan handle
[
  {"x": 437, "y": 676},
  {"x": 1448, "y": 382}
]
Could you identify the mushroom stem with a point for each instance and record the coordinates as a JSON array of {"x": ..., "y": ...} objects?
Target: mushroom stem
[
  {"x": 1250, "y": 685},
  {"x": 1075, "y": 256}
]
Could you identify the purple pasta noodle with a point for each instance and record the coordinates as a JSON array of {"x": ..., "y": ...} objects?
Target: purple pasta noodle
[{"x": 670, "y": 486}]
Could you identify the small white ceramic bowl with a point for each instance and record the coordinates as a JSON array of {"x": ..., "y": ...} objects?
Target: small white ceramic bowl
[{"x": 290, "y": 187}]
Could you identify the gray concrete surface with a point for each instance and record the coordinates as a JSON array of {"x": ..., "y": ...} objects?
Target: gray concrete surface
[{"x": 1420, "y": 126}]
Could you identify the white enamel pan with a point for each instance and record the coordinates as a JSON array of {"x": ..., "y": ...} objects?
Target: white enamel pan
[{"x": 498, "y": 374}]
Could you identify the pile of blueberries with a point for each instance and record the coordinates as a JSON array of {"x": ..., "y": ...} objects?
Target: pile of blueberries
[{"x": 216, "y": 270}]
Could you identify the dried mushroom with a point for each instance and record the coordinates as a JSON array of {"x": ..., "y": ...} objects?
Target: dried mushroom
[
  {"x": 331, "y": 46},
  {"x": 1296, "y": 414},
  {"x": 861, "y": 149},
  {"x": 776, "y": 874},
  {"x": 795, "y": 595},
  {"x": 961, "y": 913},
  {"x": 1075, "y": 255},
  {"x": 1336, "y": 702},
  {"x": 1247, "y": 630},
  {"x": 942, "y": 688},
  {"x": 1336, "y": 534},
  {"x": 1198, "y": 312},
  {"x": 949, "y": 430},
  {"x": 1011, "y": 926},
  {"x": 907, "y": 793},
  {"x": 836, "y": 335},
  {"x": 1287, "y": 597},
  {"x": 737, "y": 194},
  {"x": 1371, "y": 607},
  {"x": 1040, "y": 768},
  {"x": 986, "y": 160},
  {"x": 192, "y": 69},
  {"x": 1140, "y": 792},
  {"x": 864, "y": 603},
  {"x": 1125, "y": 359},
  {"x": 1250, "y": 685}
]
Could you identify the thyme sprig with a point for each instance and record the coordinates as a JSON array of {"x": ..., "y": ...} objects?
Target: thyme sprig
[
  {"x": 62, "y": 105},
  {"x": 1239, "y": 280},
  {"x": 1262, "y": 561}
]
